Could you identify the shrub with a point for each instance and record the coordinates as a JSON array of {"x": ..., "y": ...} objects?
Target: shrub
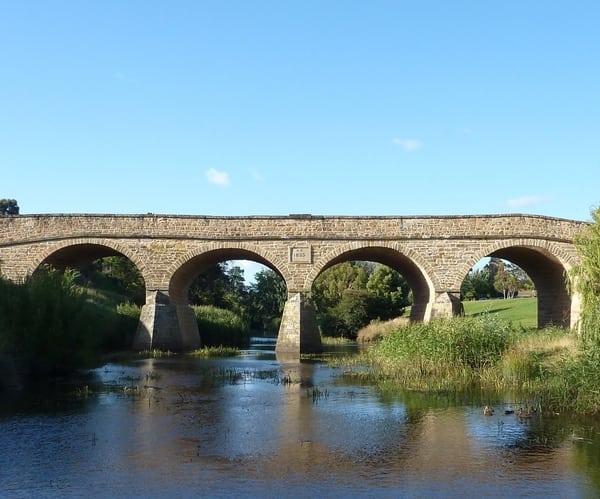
[
  {"x": 221, "y": 327},
  {"x": 46, "y": 325}
]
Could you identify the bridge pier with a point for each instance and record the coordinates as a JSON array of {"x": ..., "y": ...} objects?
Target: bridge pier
[
  {"x": 298, "y": 332},
  {"x": 166, "y": 326},
  {"x": 447, "y": 304}
]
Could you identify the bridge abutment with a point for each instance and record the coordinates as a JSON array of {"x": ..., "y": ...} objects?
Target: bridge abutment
[
  {"x": 298, "y": 332},
  {"x": 166, "y": 326}
]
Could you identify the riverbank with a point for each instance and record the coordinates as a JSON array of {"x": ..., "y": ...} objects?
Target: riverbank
[{"x": 487, "y": 353}]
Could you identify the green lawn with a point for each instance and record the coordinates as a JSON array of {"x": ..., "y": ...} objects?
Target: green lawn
[{"x": 521, "y": 311}]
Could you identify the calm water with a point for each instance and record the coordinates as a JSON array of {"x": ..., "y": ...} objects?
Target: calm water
[{"x": 256, "y": 426}]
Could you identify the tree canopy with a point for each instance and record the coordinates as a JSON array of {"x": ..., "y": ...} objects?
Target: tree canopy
[
  {"x": 9, "y": 207},
  {"x": 348, "y": 296}
]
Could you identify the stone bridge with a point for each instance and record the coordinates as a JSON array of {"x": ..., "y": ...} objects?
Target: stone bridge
[{"x": 434, "y": 254}]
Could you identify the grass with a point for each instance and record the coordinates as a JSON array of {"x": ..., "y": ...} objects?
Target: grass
[
  {"x": 519, "y": 311},
  {"x": 495, "y": 348},
  {"x": 336, "y": 340},
  {"x": 212, "y": 352},
  {"x": 445, "y": 354}
]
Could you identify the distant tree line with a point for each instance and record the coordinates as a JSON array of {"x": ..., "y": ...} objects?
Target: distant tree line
[
  {"x": 346, "y": 297},
  {"x": 497, "y": 279}
]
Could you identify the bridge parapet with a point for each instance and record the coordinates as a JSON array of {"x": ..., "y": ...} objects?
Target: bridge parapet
[{"x": 33, "y": 228}]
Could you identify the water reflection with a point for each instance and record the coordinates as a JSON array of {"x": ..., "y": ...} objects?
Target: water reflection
[{"x": 261, "y": 426}]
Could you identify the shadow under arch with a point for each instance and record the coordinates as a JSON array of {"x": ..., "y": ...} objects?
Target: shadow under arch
[
  {"x": 80, "y": 253},
  {"x": 421, "y": 286},
  {"x": 546, "y": 267},
  {"x": 195, "y": 264},
  {"x": 76, "y": 254}
]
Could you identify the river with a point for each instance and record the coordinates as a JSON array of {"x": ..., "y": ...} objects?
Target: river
[{"x": 256, "y": 426}]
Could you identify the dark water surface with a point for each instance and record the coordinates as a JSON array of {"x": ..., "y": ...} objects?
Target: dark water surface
[{"x": 255, "y": 426}]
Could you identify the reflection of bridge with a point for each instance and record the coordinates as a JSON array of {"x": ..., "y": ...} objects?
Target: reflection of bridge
[{"x": 434, "y": 254}]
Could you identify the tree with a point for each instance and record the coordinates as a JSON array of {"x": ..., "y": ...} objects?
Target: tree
[
  {"x": 349, "y": 295},
  {"x": 349, "y": 314},
  {"x": 9, "y": 207},
  {"x": 221, "y": 286},
  {"x": 476, "y": 285},
  {"x": 329, "y": 288},
  {"x": 267, "y": 297},
  {"x": 505, "y": 282},
  {"x": 210, "y": 286},
  {"x": 585, "y": 279},
  {"x": 389, "y": 291}
]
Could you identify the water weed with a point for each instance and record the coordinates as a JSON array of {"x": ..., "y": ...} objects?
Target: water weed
[{"x": 215, "y": 352}]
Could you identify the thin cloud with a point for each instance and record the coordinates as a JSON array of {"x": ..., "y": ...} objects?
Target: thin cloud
[
  {"x": 255, "y": 174},
  {"x": 218, "y": 178},
  {"x": 526, "y": 201},
  {"x": 409, "y": 145}
]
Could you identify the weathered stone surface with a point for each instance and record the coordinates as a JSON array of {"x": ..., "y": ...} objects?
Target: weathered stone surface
[
  {"x": 298, "y": 332},
  {"x": 433, "y": 253}
]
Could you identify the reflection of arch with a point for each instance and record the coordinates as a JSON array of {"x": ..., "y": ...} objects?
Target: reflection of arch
[
  {"x": 417, "y": 273},
  {"x": 77, "y": 252},
  {"x": 546, "y": 264},
  {"x": 185, "y": 269}
]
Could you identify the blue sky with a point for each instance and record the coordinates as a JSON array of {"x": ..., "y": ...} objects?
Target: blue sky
[{"x": 323, "y": 107}]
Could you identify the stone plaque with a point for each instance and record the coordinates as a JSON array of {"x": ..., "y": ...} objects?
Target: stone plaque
[{"x": 301, "y": 254}]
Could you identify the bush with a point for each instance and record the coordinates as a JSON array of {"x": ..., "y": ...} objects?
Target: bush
[
  {"x": 49, "y": 325},
  {"x": 119, "y": 326},
  {"x": 221, "y": 327},
  {"x": 46, "y": 324}
]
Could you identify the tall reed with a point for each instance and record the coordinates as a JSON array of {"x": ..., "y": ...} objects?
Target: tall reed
[
  {"x": 442, "y": 347},
  {"x": 46, "y": 324}
]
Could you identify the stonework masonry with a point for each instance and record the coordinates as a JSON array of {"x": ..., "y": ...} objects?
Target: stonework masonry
[{"x": 434, "y": 254}]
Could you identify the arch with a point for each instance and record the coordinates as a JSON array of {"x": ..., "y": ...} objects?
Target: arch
[
  {"x": 74, "y": 252},
  {"x": 403, "y": 260},
  {"x": 546, "y": 264},
  {"x": 184, "y": 270}
]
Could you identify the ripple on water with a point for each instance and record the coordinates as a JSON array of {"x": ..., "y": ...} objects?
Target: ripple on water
[{"x": 197, "y": 428}]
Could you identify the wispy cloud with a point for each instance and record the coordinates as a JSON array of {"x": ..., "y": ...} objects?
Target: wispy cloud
[
  {"x": 526, "y": 201},
  {"x": 409, "y": 145},
  {"x": 255, "y": 174},
  {"x": 218, "y": 178}
]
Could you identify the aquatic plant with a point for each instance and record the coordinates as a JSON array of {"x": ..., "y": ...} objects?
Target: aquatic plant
[
  {"x": 470, "y": 342},
  {"x": 218, "y": 351},
  {"x": 317, "y": 394}
]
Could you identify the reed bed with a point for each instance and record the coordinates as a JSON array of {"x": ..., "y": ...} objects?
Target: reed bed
[
  {"x": 215, "y": 352},
  {"x": 486, "y": 354}
]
